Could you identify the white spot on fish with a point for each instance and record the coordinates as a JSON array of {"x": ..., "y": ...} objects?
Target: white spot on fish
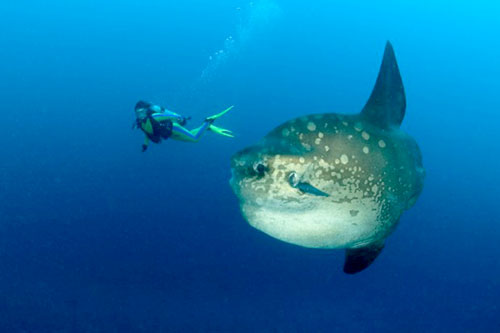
[
  {"x": 365, "y": 135},
  {"x": 381, "y": 143},
  {"x": 327, "y": 148},
  {"x": 323, "y": 164},
  {"x": 366, "y": 150},
  {"x": 311, "y": 126},
  {"x": 317, "y": 141},
  {"x": 344, "y": 159},
  {"x": 285, "y": 132},
  {"x": 320, "y": 135},
  {"x": 302, "y": 160},
  {"x": 358, "y": 127}
]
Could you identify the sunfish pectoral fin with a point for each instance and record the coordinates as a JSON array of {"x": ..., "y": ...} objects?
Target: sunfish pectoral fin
[
  {"x": 308, "y": 188},
  {"x": 387, "y": 103},
  {"x": 358, "y": 259}
]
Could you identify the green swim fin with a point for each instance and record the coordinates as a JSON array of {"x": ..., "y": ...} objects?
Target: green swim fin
[
  {"x": 221, "y": 131},
  {"x": 218, "y": 115}
]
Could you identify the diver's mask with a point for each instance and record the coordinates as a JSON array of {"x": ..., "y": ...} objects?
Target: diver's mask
[{"x": 141, "y": 114}]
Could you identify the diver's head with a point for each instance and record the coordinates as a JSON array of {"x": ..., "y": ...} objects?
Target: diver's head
[
  {"x": 141, "y": 110},
  {"x": 141, "y": 113},
  {"x": 142, "y": 105}
]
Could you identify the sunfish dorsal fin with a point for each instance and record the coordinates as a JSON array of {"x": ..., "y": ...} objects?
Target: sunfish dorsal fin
[{"x": 387, "y": 103}]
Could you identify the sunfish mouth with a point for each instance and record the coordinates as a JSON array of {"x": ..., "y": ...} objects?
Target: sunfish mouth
[{"x": 233, "y": 181}]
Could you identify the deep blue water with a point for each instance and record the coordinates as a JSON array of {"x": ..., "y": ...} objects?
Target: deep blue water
[{"x": 96, "y": 236}]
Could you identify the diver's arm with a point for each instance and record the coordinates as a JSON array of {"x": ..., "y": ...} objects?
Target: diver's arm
[{"x": 145, "y": 144}]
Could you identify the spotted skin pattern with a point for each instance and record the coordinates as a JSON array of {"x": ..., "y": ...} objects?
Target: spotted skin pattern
[{"x": 331, "y": 180}]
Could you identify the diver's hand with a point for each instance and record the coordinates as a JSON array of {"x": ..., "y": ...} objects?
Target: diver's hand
[
  {"x": 184, "y": 120},
  {"x": 144, "y": 148}
]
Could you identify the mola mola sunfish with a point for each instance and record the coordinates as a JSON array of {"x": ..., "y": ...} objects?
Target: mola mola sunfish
[{"x": 335, "y": 181}]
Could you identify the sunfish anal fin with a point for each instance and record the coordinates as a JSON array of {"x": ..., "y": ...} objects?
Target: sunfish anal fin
[{"x": 358, "y": 259}]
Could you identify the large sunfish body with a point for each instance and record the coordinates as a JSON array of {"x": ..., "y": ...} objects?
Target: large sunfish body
[{"x": 335, "y": 181}]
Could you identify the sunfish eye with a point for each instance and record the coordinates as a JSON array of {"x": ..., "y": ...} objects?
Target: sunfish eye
[
  {"x": 259, "y": 168},
  {"x": 293, "y": 179}
]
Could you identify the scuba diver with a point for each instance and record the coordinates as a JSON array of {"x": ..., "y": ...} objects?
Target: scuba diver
[{"x": 159, "y": 124}]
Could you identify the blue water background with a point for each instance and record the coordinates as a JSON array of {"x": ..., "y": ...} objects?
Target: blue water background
[{"x": 96, "y": 236}]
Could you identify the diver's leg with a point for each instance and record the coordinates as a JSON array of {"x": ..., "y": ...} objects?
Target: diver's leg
[
  {"x": 220, "y": 114},
  {"x": 182, "y": 134},
  {"x": 221, "y": 131}
]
